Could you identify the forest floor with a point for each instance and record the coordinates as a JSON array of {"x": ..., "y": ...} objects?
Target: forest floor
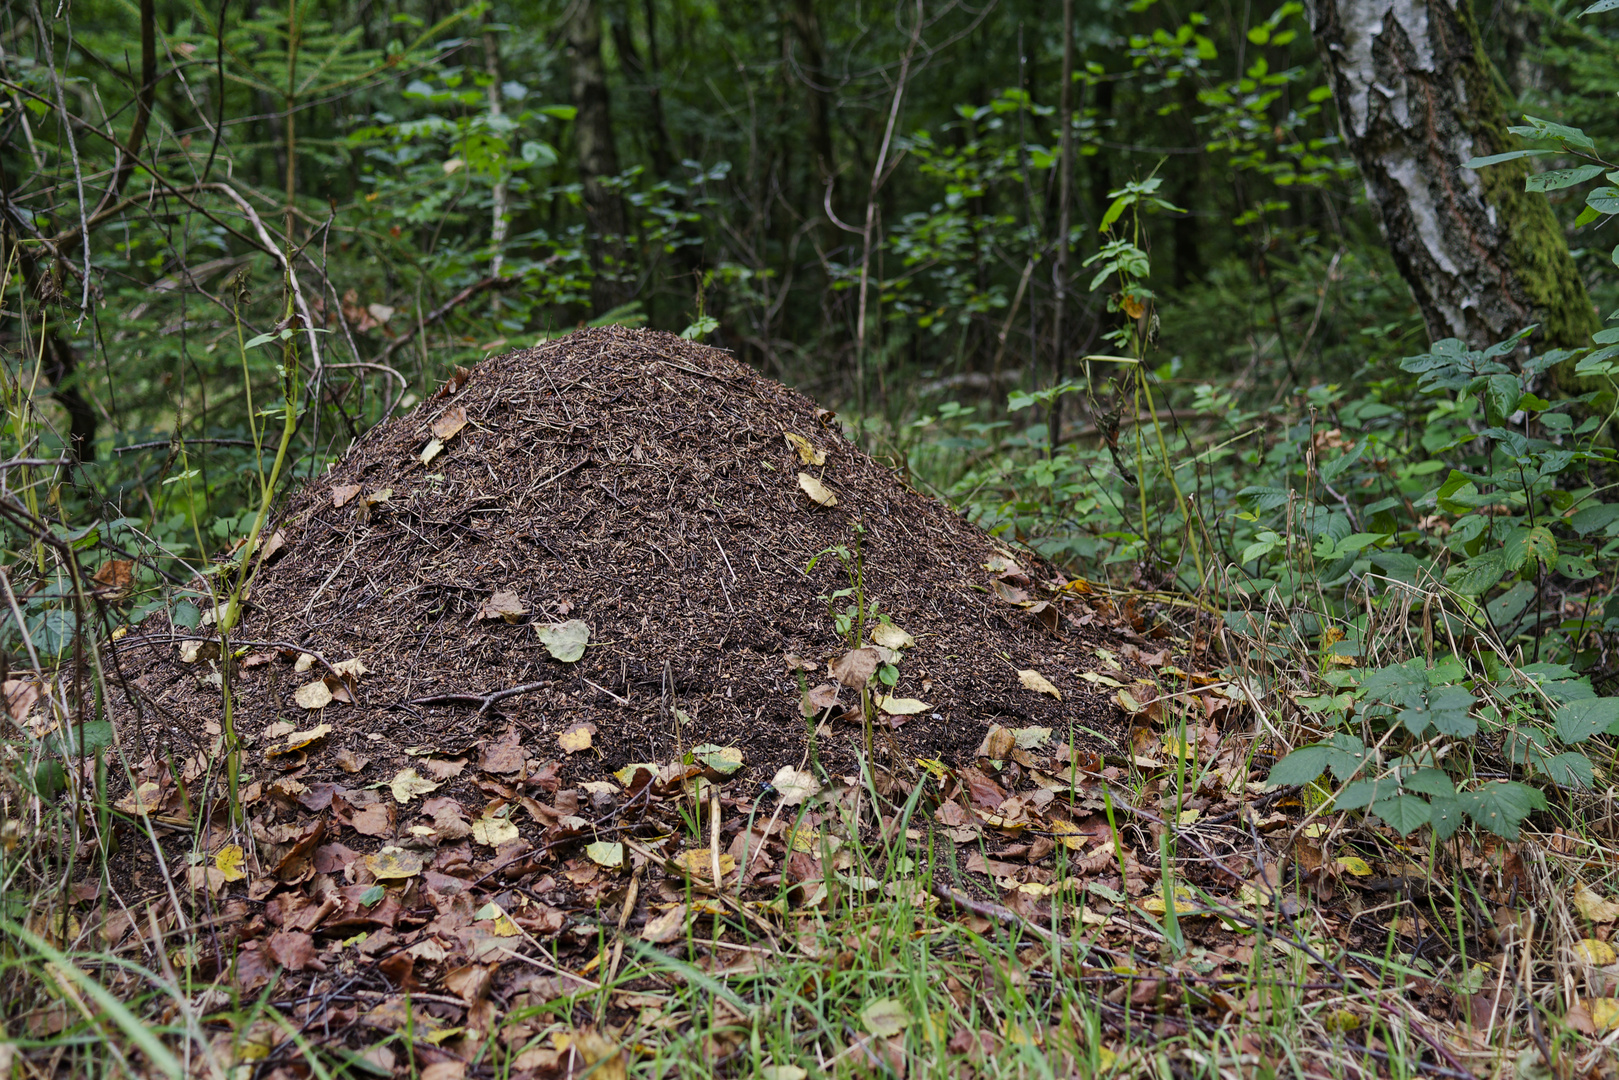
[{"x": 611, "y": 715}]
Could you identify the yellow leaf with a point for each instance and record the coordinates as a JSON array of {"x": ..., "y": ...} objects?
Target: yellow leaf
[
  {"x": 1604, "y": 1013},
  {"x": 1594, "y": 952},
  {"x": 1339, "y": 1021},
  {"x": 626, "y": 775},
  {"x": 408, "y": 785},
  {"x": 1355, "y": 866},
  {"x": 604, "y": 853},
  {"x": 1175, "y": 746},
  {"x": 902, "y": 706},
  {"x": 229, "y": 862},
  {"x": 393, "y": 864},
  {"x": 298, "y": 740},
  {"x": 353, "y": 668},
  {"x": 315, "y": 695},
  {"x": 1037, "y": 682},
  {"x": 432, "y": 450},
  {"x": 1593, "y": 905},
  {"x": 1189, "y": 816},
  {"x": 493, "y": 831},
  {"x": 890, "y": 636},
  {"x": 1068, "y": 834},
  {"x": 1101, "y": 680},
  {"x": 699, "y": 862},
  {"x": 501, "y": 924},
  {"x": 807, "y": 454},
  {"x": 576, "y": 738},
  {"x": 146, "y": 797},
  {"x": 816, "y": 490}
]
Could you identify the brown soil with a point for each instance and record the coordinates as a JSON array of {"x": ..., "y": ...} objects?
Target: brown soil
[{"x": 642, "y": 484}]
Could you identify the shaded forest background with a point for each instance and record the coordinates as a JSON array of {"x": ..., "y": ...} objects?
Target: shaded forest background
[{"x": 863, "y": 200}]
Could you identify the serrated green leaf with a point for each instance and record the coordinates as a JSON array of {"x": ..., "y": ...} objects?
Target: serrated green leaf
[
  {"x": 1405, "y": 814},
  {"x": 1445, "y": 815},
  {"x": 1480, "y": 573},
  {"x": 1429, "y": 782},
  {"x": 1359, "y": 794},
  {"x": 1579, "y": 720},
  {"x": 1501, "y": 805},
  {"x": 1570, "y": 769},
  {"x": 1302, "y": 766},
  {"x": 1398, "y": 684}
]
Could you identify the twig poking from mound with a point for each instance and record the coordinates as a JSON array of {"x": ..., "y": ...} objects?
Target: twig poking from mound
[{"x": 483, "y": 701}]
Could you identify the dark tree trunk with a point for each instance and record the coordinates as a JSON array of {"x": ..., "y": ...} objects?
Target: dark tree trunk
[
  {"x": 598, "y": 157},
  {"x": 1416, "y": 98}
]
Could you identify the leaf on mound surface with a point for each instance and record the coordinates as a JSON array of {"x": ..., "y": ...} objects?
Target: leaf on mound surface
[
  {"x": 890, "y": 636},
  {"x": 576, "y": 738},
  {"x": 450, "y": 422},
  {"x": 315, "y": 695},
  {"x": 298, "y": 740},
  {"x": 408, "y": 785},
  {"x": 807, "y": 454},
  {"x": 794, "y": 785},
  {"x": 565, "y": 641},
  {"x": 902, "y": 706},
  {"x": 816, "y": 490},
  {"x": 1037, "y": 682},
  {"x": 505, "y": 605}
]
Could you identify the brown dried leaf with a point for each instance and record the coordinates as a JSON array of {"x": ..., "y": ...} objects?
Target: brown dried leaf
[
  {"x": 449, "y": 422},
  {"x": 855, "y": 669},
  {"x": 816, "y": 490},
  {"x": 504, "y": 605},
  {"x": 291, "y": 949},
  {"x": 820, "y": 699},
  {"x": 343, "y": 494},
  {"x": 1037, "y": 682}
]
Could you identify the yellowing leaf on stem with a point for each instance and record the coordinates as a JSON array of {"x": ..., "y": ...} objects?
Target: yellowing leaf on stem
[
  {"x": 807, "y": 453},
  {"x": 1033, "y": 680},
  {"x": 890, "y": 636},
  {"x": 816, "y": 490}
]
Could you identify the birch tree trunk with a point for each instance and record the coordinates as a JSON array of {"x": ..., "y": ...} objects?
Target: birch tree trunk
[{"x": 1417, "y": 97}]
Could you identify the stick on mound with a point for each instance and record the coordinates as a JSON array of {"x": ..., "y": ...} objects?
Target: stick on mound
[{"x": 622, "y": 545}]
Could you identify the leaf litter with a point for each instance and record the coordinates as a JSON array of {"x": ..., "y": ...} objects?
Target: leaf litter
[{"x": 494, "y": 836}]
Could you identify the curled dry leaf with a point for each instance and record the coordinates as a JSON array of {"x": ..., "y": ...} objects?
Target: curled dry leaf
[
  {"x": 795, "y": 662},
  {"x": 432, "y": 450},
  {"x": 504, "y": 605},
  {"x": 576, "y": 738},
  {"x": 1037, "y": 682},
  {"x": 1594, "y": 906},
  {"x": 816, "y": 490},
  {"x": 794, "y": 785},
  {"x": 450, "y": 422},
  {"x": 407, "y": 785},
  {"x": 820, "y": 699},
  {"x": 315, "y": 695},
  {"x": 662, "y": 929},
  {"x": 394, "y": 864},
  {"x": 565, "y": 641},
  {"x": 298, "y": 740},
  {"x": 342, "y": 494},
  {"x": 807, "y": 454},
  {"x": 855, "y": 669}
]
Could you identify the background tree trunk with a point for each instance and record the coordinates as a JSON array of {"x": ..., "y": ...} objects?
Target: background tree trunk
[
  {"x": 598, "y": 156},
  {"x": 1416, "y": 98}
]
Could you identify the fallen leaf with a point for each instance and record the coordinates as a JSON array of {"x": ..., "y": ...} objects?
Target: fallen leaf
[
  {"x": 1037, "y": 682},
  {"x": 493, "y": 831},
  {"x": 794, "y": 785},
  {"x": 604, "y": 853},
  {"x": 315, "y": 695},
  {"x": 503, "y": 605},
  {"x": 820, "y": 699},
  {"x": 432, "y": 450},
  {"x": 699, "y": 862},
  {"x": 890, "y": 636},
  {"x": 1593, "y": 905},
  {"x": 566, "y": 640},
  {"x": 343, "y": 493},
  {"x": 1356, "y": 866},
  {"x": 1100, "y": 680},
  {"x": 298, "y": 740},
  {"x": 450, "y": 422},
  {"x": 394, "y": 864},
  {"x": 662, "y": 929},
  {"x": 902, "y": 706},
  {"x": 377, "y": 497},
  {"x": 115, "y": 575},
  {"x": 352, "y": 668},
  {"x": 855, "y": 669},
  {"x": 724, "y": 760},
  {"x": 807, "y": 454},
  {"x": 816, "y": 490},
  {"x": 229, "y": 862},
  {"x": 1594, "y": 952},
  {"x": 885, "y": 1017},
  {"x": 1604, "y": 1013},
  {"x": 576, "y": 738},
  {"x": 1028, "y": 738},
  {"x": 407, "y": 785},
  {"x": 292, "y": 949},
  {"x": 782, "y": 1072}
]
